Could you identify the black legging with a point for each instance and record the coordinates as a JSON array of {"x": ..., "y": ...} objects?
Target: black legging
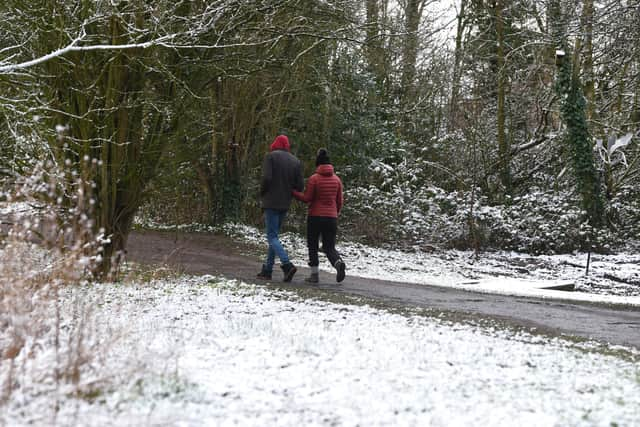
[{"x": 327, "y": 227}]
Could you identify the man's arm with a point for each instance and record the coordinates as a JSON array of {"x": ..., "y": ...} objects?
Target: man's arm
[
  {"x": 299, "y": 184},
  {"x": 267, "y": 174}
]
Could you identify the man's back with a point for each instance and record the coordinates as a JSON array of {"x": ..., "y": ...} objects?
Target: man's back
[{"x": 281, "y": 173}]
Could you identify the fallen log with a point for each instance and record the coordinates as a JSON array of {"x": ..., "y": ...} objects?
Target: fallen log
[{"x": 621, "y": 280}]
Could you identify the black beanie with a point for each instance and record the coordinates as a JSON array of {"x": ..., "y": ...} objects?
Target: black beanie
[{"x": 323, "y": 157}]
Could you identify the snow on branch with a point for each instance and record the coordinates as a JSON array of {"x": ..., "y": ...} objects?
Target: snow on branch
[
  {"x": 164, "y": 41},
  {"x": 189, "y": 38},
  {"x": 74, "y": 47},
  {"x": 6, "y": 69}
]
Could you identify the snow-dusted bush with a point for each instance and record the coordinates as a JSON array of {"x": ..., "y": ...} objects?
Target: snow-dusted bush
[
  {"x": 43, "y": 342},
  {"x": 48, "y": 250},
  {"x": 424, "y": 216},
  {"x": 624, "y": 212},
  {"x": 401, "y": 204},
  {"x": 538, "y": 222}
]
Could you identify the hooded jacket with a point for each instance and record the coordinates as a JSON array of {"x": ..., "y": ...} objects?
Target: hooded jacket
[
  {"x": 281, "y": 143},
  {"x": 323, "y": 193},
  {"x": 281, "y": 173}
]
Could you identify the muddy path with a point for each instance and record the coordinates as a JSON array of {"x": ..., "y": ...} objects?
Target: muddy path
[{"x": 196, "y": 253}]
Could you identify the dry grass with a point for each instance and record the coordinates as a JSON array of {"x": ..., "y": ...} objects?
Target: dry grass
[
  {"x": 46, "y": 320},
  {"x": 54, "y": 344}
]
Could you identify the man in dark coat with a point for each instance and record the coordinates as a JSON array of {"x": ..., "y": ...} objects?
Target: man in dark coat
[{"x": 281, "y": 173}]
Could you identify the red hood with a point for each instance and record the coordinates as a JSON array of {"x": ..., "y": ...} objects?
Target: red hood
[
  {"x": 280, "y": 143},
  {"x": 326, "y": 170}
]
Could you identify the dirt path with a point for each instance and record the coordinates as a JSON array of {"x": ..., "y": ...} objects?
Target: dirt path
[{"x": 213, "y": 254}]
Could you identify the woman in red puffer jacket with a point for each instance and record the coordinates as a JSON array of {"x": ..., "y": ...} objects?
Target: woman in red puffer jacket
[{"x": 324, "y": 196}]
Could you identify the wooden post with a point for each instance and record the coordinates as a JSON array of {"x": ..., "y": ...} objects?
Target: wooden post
[{"x": 588, "y": 261}]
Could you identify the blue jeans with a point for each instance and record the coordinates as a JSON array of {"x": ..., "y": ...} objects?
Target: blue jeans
[{"x": 273, "y": 220}]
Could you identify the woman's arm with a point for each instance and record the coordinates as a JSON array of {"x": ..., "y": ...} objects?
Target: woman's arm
[
  {"x": 309, "y": 192},
  {"x": 339, "y": 196}
]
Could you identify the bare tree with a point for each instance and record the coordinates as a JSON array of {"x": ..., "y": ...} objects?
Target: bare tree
[{"x": 119, "y": 82}]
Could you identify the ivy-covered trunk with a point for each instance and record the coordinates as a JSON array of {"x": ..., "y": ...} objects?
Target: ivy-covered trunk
[{"x": 574, "y": 113}]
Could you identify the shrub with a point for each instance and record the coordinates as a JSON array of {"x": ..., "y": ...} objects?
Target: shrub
[
  {"x": 538, "y": 222},
  {"x": 49, "y": 249}
]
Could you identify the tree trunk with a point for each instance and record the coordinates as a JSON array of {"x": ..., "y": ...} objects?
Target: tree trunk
[
  {"x": 413, "y": 15},
  {"x": 587, "y": 57},
  {"x": 374, "y": 51},
  {"x": 573, "y": 109},
  {"x": 457, "y": 65},
  {"x": 503, "y": 144},
  {"x": 634, "y": 116},
  {"x": 108, "y": 101}
]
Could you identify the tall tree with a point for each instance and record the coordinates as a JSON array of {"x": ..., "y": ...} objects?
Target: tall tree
[
  {"x": 503, "y": 144},
  {"x": 587, "y": 56},
  {"x": 573, "y": 108},
  {"x": 411, "y": 42},
  {"x": 456, "y": 74},
  {"x": 375, "y": 11}
]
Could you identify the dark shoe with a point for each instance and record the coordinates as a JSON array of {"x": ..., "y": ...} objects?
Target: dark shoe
[
  {"x": 312, "y": 278},
  {"x": 340, "y": 270},
  {"x": 264, "y": 274},
  {"x": 289, "y": 270}
]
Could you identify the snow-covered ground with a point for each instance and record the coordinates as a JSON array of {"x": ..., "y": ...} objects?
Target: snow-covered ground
[
  {"x": 201, "y": 351},
  {"x": 496, "y": 272},
  {"x": 205, "y": 351}
]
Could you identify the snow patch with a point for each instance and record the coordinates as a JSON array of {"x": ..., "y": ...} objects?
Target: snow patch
[{"x": 205, "y": 351}]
